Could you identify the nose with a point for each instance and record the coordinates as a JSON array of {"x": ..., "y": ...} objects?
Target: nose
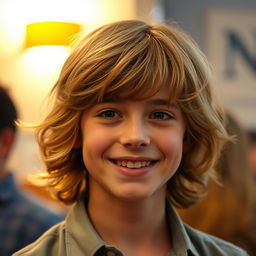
[{"x": 135, "y": 134}]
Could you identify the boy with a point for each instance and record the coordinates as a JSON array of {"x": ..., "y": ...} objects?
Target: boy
[{"x": 133, "y": 131}]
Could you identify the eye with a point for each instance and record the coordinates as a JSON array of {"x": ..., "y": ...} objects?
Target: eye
[
  {"x": 161, "y": 115},
  {"x": 109, "y": 114}
]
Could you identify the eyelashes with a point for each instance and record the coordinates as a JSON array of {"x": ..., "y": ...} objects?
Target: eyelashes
[
  {"x": 161, "y": 115},
  {"x": 112, "y": 114},
  {"x": 109, "y": 114}
]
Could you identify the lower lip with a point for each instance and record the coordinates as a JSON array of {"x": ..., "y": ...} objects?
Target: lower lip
[{"x": 133, "y": 172}]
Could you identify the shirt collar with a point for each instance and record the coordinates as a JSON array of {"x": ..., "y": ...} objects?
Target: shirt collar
[
  {"x": 87, "y": 241},
  {"x": 8, "y": 189},
  {"x": 182, "y": 245},
  {"x": 80, "y": 229}
]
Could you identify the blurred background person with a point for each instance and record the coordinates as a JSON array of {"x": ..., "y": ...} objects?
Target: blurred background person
[
  {"x": 21, "y": 220},
  {"x": 228, "y": 211}
]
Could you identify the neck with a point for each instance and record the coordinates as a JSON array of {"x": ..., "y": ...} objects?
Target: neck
[{"x": 133, "y": 226}]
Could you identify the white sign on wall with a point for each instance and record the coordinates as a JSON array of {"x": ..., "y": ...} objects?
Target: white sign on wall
[{"x": 231, "y": 49}]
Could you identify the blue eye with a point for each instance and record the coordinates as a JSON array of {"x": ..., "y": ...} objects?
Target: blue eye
[
  {"x": 109, "y": 114},
  {"x": 161, "y": 115}
]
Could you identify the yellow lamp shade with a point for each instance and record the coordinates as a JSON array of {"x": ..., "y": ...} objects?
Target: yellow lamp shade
[{"x": 50, "y": 33}]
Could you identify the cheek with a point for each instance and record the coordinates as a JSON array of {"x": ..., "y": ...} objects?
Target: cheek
[
  {"x": 95, "y": 143},
  {"x": 173, "y": 151},
  {"x": 171, "y": 143}
]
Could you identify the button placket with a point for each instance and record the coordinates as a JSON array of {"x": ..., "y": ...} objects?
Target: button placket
[{"x": 111, "y": 251}]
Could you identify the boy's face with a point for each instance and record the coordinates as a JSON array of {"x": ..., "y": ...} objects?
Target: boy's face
[{"x": 132, "y": 148}]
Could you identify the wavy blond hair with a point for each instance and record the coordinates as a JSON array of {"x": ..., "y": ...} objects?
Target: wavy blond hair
[{"x": 133, "y": 59}]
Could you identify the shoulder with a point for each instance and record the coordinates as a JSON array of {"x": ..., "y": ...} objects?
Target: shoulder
[
  {"x": 48, "y": 244},
  {"x": 209, "y": 245}
]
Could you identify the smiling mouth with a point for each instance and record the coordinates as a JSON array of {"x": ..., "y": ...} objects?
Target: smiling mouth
[{"x": 133, "y": 164}]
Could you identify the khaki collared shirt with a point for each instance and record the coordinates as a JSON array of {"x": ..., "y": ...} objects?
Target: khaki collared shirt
[{"x": 76, "y": 237}]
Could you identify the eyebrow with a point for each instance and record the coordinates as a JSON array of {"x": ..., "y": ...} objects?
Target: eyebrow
[
  {"x": 163, "y": 102},
  {"x": 156, "y": 102}
]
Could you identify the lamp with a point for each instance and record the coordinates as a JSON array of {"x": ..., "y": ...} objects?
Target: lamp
[{"x": 50, "y": 33}]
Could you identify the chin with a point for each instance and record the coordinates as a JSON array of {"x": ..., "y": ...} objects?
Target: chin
[{"x": 133, "y": 195}]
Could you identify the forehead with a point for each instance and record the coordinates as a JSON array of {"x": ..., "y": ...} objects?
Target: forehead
[
  {"x": 161, "y": 98},
  {"x": 142, "y": 93}
]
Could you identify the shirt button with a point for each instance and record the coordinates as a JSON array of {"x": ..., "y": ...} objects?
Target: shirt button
[{"x": 110, "y": 253}]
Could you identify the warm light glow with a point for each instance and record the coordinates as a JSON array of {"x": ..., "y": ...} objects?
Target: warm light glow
[
  {"x": 45, "y": 59},
  {"x": 16, "y": 14},
  {"x": 33, "y": 71},
  {"x": 51, "y": 33}
]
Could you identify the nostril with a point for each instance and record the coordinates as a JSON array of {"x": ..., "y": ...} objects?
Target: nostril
[{"x": 136, "y": 144}]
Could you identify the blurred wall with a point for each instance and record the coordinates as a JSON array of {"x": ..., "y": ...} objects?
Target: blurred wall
[
  {"x": 225, "y": 30},
  {"x": 191, "y": 15}
]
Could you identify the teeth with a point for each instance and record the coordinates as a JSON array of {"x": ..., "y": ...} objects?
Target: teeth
[{"x": 133, "y": 165}]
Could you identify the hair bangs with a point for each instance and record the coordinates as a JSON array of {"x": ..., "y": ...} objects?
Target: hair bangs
[
  {"x": 140, "y": 76},
  {"x": 136, "y": 68}
]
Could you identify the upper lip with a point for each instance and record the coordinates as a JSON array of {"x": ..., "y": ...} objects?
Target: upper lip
[{"x": 133, "y": 158}]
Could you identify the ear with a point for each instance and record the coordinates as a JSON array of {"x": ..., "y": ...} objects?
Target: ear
[{"x": 7, "y": 137}]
